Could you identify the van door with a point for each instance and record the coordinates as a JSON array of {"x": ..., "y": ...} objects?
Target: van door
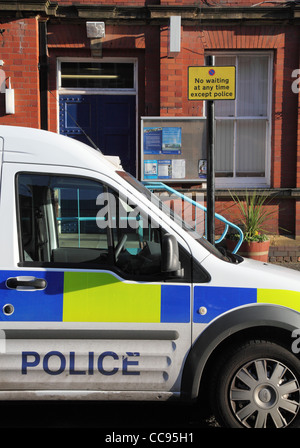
[{"x": 85, "y": 306}]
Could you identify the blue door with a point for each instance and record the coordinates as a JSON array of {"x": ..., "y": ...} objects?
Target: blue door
[{"x": 108, "y": 121}]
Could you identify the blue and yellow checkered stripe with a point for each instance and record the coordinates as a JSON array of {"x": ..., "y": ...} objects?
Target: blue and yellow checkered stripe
[
  {"x": 218, "y": 299},
  {"x": 102, "y": 297},
  {"x": 94, "y": 297}
]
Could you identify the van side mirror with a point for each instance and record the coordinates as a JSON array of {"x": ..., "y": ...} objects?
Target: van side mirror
[{"x": 170, "y": 256}]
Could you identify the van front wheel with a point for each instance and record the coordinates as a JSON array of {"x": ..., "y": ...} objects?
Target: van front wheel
[{"x": 258, "y": 386}]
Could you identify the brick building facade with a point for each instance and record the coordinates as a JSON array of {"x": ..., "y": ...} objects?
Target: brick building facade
[{"x": 47, "y": 54}]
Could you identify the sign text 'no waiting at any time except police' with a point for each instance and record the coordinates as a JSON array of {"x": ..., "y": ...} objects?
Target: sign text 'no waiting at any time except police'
[{"x": 211, "y": 83}]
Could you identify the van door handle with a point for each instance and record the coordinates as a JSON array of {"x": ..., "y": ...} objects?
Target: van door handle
[{"x": 24, "y": 283}]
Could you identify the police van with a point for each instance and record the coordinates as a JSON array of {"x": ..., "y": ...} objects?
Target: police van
[{"x": 108, "y": 295}]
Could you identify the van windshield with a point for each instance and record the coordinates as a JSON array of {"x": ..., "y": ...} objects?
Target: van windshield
[{"x": 170, "y": 212}]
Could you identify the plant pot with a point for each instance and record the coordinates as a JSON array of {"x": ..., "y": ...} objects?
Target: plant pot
[{"x": 255, "y": 250}]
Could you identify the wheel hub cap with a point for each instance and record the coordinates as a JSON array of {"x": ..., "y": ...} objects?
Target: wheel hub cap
[
  {"x": 265, "y": 393},
  {"x": 266, "y": 396}
]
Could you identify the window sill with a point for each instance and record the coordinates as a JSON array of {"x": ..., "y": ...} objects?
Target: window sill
[{"x": 242, "y": 182}]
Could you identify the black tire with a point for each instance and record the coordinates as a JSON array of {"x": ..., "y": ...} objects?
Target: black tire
[{"x": 257, "y": 384}]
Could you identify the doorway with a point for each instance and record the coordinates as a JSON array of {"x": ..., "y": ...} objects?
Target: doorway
[{"x": 97, "y": 105}]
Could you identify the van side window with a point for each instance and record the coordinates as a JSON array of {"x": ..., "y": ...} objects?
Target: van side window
[
  {"x": 77, "y": 222},
  {"x": 58, "y": 220},
  {"x": 136, "y": 238}
]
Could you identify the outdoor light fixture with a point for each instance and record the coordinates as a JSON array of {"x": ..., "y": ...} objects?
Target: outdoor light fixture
[
  {"x": 9, "y": 99},
  {"x": 95, "y": 30},
  {"x": 175, "y": 35}
]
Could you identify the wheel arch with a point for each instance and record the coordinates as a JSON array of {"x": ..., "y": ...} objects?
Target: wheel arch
[{"x": 276, "y": 323}]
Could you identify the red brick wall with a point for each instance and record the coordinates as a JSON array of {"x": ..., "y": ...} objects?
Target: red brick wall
[
  {"x": 107, "y": 2},
  {"x": 280, "y": 215},
  {"x": 161, "y": 2},
  {"x": 162, "y": 88},
  {"x": 285, "y": 110},
  {"x": 283, "y": 41},
  {"x": 19, "y": 51},
  {"x": 297, "y": 87},
  {"x": 137, "y": 42},
  {"x": 217, "y": 3}
]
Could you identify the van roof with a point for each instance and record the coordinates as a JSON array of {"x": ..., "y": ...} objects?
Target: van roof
[{"x": 35, "y": 146}]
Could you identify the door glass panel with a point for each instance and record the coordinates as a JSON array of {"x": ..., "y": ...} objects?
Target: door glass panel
[{"x": 100, "y": 75}]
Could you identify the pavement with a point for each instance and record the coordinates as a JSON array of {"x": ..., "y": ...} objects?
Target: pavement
[
  {"x": 285, "y": 251},
  {"x": 284, "y": 240}
]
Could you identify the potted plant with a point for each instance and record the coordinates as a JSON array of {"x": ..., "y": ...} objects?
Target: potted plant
[{"x": 253, "y": 217}]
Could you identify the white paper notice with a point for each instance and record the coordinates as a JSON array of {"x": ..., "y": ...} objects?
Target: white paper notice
[
  {"x": 178, "y": 169},
  {"x": 163, "y": 170}
]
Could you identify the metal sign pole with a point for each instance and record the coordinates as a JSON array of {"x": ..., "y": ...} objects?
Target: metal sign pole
[
  {"x": 211, "y": 164},
  {"x": 209, "y": 83}
]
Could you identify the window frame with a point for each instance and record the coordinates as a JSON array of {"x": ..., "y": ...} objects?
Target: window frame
[
  {"x": 254, "y": 181},
  {"x": 33, "y": 263},
  {"x": 94, "y": 90}
]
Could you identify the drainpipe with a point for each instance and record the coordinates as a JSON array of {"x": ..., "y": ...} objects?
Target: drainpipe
[{"x": 43, "y": 74}]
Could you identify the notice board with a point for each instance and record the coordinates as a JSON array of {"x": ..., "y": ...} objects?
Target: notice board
[{"x": 173, "y": 149}]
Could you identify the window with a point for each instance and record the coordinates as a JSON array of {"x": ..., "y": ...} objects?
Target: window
[
  {"x": 243, "y": 126},
  {"x": 58, "y": 220},
  {"x": 76, "y": 222},
  {"x": 97, "y": 75}
]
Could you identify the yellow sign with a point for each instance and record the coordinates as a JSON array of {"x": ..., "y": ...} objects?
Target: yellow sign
[{"x": 211, "y": 83}]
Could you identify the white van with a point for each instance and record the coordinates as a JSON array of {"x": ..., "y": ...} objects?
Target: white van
[{"x": 107, "y": 295}]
